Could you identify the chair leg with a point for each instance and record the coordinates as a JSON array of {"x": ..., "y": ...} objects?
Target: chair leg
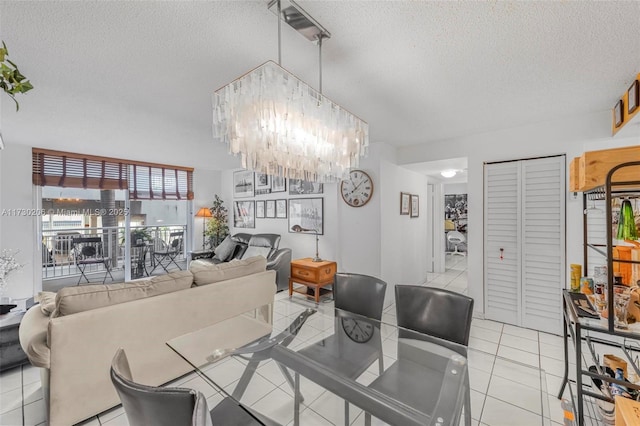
[
  {"x": 346, "y": 413},
  {"x": 82, "y": 274},
  {"x": 367, "y": 419},
  {"x": 296, "y": 400},
  {"x": 106, "y": 266},
  {"x": 467, "y": 400}
]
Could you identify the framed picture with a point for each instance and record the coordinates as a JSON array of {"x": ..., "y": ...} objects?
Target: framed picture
[
  {"x": 271, "y": 209},
  {"x": 617, "y": 113},
  {"x": 306, "y": 215},
  {"x": 302, "y": 187},
  {"x": 278, "y": 184},
  {"x": 260, "y": 209},
  {"x": 415, "y": 208},
  {"x": 281, "y": 209},
  {"x": 632, "y": 97},
  {"x": 263, "y": 183},
  {"x": 243, "y": 184},
  {"x": 405, "y": 200},
  {"x": 244, "y": 214}
]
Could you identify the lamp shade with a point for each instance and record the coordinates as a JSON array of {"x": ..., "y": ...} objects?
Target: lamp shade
[{"x": 204, "y": 212}]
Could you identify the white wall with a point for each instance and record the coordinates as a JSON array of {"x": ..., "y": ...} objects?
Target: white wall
[
  {"x": 405, "y": 257},
  {"x": 18, "y": 231},
  {"x": 571, "y": 136},
  {"x": 455, "y": 188}
]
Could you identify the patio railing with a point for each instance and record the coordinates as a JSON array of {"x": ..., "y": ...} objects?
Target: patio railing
[{"x": 58, "y": 259}]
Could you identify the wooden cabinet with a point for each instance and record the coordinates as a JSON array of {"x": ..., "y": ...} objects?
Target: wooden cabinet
[{"x": 312, "y": 274}]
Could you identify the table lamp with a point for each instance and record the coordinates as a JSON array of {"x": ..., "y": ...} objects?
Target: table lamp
[{"x": 204, "y": 213}]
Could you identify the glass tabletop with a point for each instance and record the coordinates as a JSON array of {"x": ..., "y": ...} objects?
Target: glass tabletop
[{"x": 374, "y": 368}]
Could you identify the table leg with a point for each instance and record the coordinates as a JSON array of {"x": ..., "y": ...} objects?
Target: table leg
[
  {"x": 290, "y": 287},
  {"x": 317, "y": 294}
]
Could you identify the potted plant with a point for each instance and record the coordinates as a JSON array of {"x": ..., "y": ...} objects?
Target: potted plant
[
  {"x": 11, "y": 80},
  {"x": 218, "y": 226}
]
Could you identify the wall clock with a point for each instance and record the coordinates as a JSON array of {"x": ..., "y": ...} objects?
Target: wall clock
[
  {"x": 357, "y": 189},
  {"x": 358, "y": 331}
]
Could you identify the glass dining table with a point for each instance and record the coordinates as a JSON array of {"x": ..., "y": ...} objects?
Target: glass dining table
[{"x": 375, "y": 369}]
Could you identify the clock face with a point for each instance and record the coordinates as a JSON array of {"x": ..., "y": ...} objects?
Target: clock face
[
  {"x": 358, "y": 331},
  {"x": 357, "y": 189}
]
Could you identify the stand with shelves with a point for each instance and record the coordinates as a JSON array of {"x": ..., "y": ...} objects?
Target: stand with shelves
[{"x": 595, "y": 332}]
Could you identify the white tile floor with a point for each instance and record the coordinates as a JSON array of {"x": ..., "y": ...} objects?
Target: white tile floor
[{"x": 500, "y": 396}]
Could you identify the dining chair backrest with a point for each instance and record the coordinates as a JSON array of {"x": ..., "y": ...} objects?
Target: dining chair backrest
[
  {"x": 360, "y": 294},
  {"x": 434, "y": 311},
  {"x": 150, "y": 405}
]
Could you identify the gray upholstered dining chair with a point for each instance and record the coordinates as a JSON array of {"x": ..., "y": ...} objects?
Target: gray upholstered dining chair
[
  {"x": 431, "y": 311},
  {"x": 363, "y": 296},
  {"x": 159, "y": 406}
]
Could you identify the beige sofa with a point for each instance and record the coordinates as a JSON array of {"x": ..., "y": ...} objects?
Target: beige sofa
[{"x": 75, "y": 343}]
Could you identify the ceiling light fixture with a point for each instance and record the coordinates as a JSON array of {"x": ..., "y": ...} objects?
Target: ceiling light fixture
[
  {"x": 280, "y": 125},
  {"x": 448, "y": 173}
]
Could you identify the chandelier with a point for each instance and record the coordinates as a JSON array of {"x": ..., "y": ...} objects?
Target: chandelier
[{"x": 280, "y": 125}]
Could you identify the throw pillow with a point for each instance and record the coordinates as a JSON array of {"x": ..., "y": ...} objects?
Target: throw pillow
[
  {"x": 224, "y": 251},
  {"x": 256, "y": 251},
  {"x": 47, "y": 301}
]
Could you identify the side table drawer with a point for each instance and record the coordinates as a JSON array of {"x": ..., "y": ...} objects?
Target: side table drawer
[{"x": 304, "y": 274}]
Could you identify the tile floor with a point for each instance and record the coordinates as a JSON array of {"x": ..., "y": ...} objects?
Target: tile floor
[{"x": 500, "y": 396}]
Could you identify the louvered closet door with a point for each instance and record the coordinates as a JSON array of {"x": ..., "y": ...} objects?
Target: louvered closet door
[
  {"x": 502, "y": 224},
  {"x": 524, "y": 215},
  {"x": 543, "y": 243}
]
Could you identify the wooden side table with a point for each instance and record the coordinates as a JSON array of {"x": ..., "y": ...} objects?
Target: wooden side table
[{"x": 313, "y": 275}]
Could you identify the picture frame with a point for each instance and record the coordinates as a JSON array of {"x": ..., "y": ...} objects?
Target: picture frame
[
  {"x": 303, "y": 187},
  {"x": 281, "y": 209},
  {"x": 405, "y": 203},
  {"x": 306, "y": 216},
  {"x": 243, "y": 184},
  {"x": 415, "y": 205},
  {"x": 633, "y": 97},
  {"x": 244, "y": 214},
  {"x": 617, "y": 113},
  {"x": 270, "y": 209},
  {"x": 278, "y": 184},
  {"x": 259, "y": 209},
  {"x": 262, "y": 183}
]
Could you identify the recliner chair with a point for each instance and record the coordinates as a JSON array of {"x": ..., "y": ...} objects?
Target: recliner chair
[{"x": 278, "y": 259}]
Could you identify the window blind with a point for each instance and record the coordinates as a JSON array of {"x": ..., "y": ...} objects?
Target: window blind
[{"x": 145, "y": 181}]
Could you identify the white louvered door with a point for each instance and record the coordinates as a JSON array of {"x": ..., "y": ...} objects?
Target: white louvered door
[
  {"x": 501, "y": 246},
  {"x": 535, "y": 197}
]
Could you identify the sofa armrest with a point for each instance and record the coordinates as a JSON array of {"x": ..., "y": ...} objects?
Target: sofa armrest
[
  {"x": 280, "y": 262},
  {"x": 33, "y": 337}
]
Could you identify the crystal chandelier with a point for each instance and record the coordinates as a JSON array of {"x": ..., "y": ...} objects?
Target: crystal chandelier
[{"x": 281, "y": 126}]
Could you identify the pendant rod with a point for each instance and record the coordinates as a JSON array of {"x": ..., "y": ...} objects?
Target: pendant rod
[
  {"x": 320, "y": 60},
  {"x": 279, "y": 34}
]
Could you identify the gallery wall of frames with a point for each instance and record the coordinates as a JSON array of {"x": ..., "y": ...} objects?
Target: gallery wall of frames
[{"x": 301, "y": 203}]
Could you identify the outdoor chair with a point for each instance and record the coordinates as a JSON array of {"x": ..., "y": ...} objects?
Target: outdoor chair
[
  {"x": 165, "y": 406},
  {"x": 88, "y": 252},
  {"x": 169, "y": 252}
]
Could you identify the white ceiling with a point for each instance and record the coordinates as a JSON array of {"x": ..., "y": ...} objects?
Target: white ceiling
[
  {"x": 135, "y": 78},
  {"x": 433, "y": 169}
]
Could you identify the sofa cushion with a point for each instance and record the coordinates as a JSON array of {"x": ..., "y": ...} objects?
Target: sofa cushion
[
  {"x": 256, "y": 251},
  {"x": 225, "y": 249},
  {"x": 206, "y": 273},
  {"x": 47, "y": 300},
  {"x": 71, "y": 300}
]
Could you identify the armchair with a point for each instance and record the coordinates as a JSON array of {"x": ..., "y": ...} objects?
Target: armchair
[{"x": 278, "y": 259}]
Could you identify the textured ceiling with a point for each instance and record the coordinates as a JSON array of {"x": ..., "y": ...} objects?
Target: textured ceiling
[{"x": 137, "y": 77}]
